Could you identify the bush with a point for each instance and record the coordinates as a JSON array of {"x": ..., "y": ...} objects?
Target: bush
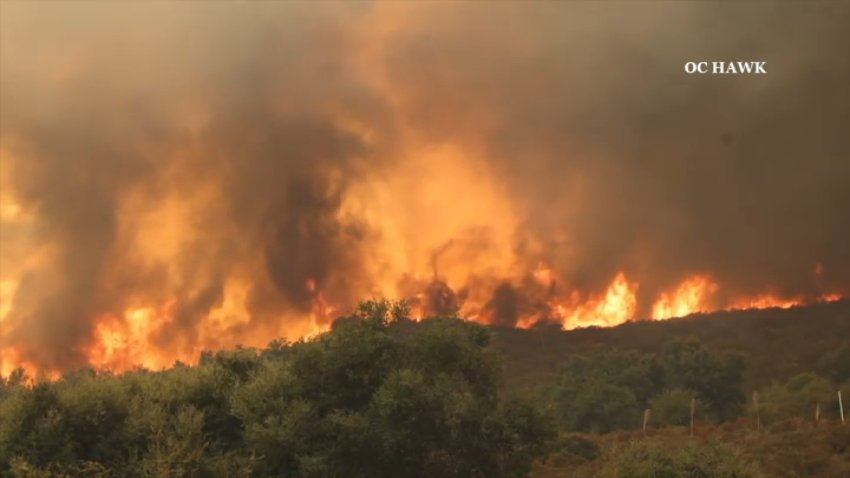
[
  {"x": 797, "y": 398},
  {"x": 579, "y": 446},
  {"x": 656, "y": 459},
  {"x": 716, "y": 377},
  {"x": 673, "y": 407}
]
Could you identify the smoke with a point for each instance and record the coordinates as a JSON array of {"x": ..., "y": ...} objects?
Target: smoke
[
  {"x": 221, "y": 138},
  {"x": 244, "y": 167},
  {"x": 620, "y": 161}
]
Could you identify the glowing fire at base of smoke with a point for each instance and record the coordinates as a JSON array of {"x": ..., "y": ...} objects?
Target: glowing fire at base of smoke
[
  {"x": 121, "y": 343},
  {"x": 135, "y": 338},
  {"x": 766, "y": 301},
  {"x": 617, "y": 305},
  {"x": 690, "y": 297},
  {"x": 10, "y": 359}
]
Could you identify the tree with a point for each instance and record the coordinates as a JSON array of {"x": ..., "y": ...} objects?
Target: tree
[
  {"x": 603, "y": 392},
  {"x": 798, "y": 397},
  {"x": 608, "y": 391},
  {"x": 717, "y": 378},
  {"x": 364, "y": 401},
  {"x": 672, "y": 407}
]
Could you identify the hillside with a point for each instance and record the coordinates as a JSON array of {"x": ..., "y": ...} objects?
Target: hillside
[
  {"x": 424, "y": 399},
  {"x": 777, "y": 343}
]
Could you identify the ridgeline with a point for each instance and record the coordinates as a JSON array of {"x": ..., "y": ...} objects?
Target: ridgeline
[{"x": 776, "y": 343}]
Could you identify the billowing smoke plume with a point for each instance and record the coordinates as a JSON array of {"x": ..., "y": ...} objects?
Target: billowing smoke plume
[
  {"x": 203, "y": 175},
  {"x": 621, "y": 161}
]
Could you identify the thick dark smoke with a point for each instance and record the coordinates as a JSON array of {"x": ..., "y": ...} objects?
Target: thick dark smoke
[
  {"x": 504, "y": 306},
  {"x": 624, "y": 162},
  {"x": 265, "y": 117},
  {"x": 280, "y": 162}
]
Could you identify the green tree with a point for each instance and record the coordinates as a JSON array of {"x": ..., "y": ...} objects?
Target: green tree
[
  {"x": 603, "y": 392},
  {"x": 597, "y": 406},
  {"x": 672, "y": 407},
  {"x": 33, "y": 428},
  {"x": 798, "y": 397},
  {"x": 717, "y": 378},
  {"x": 365, "y": 401}
]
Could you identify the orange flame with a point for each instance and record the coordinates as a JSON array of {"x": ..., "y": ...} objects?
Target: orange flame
[
  {"x": 616, "y": 306},
  {"x": 766, "y": 301},
  {"x": 11, "y": 359},
  {"x": 691, "y": 296},
  {"x": 122, "y": 342}
]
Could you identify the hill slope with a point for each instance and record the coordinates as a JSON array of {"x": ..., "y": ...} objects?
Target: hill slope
[{"x": 778, "y": 343}]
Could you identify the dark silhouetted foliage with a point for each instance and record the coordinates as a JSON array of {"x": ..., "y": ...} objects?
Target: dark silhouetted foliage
[{"x": 609, "y": 391}]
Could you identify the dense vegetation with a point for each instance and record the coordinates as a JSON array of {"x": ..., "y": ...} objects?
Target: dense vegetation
[
  {"x": 357, "y": 401},
  {"x": 380, "y": 395},
  {"x": 776, "y": 343},
  {"x": 609, "y": 391},
  {"x": 788, "y": 449}
]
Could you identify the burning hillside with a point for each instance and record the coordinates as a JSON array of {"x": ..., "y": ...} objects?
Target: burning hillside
[{"x": 171, "y": 181}]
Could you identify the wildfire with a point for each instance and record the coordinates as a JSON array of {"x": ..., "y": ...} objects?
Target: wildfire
[
  {"x": 543, "y": 275},
  {"x": 691, "y": 296},
  {"x": 617, "y": 305},
  {"x": 131, "y": 339},
  {"x": 321, "y": 314},
  {"x": 766, "y": 301},
  {"x": 255, "y": 197},
  {"x": 123, "y": 341},
  {"x": 11, "y": 359}
]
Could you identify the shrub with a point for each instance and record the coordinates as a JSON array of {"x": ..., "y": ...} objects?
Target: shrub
[
  {"x": 673, "y": 407},
  {"x": 656, "y": 459}
]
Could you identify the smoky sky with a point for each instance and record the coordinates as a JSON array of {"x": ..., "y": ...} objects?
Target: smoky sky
[
  {"x": 603, "y": 136},
  {"x": 269, "y": 114}
]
